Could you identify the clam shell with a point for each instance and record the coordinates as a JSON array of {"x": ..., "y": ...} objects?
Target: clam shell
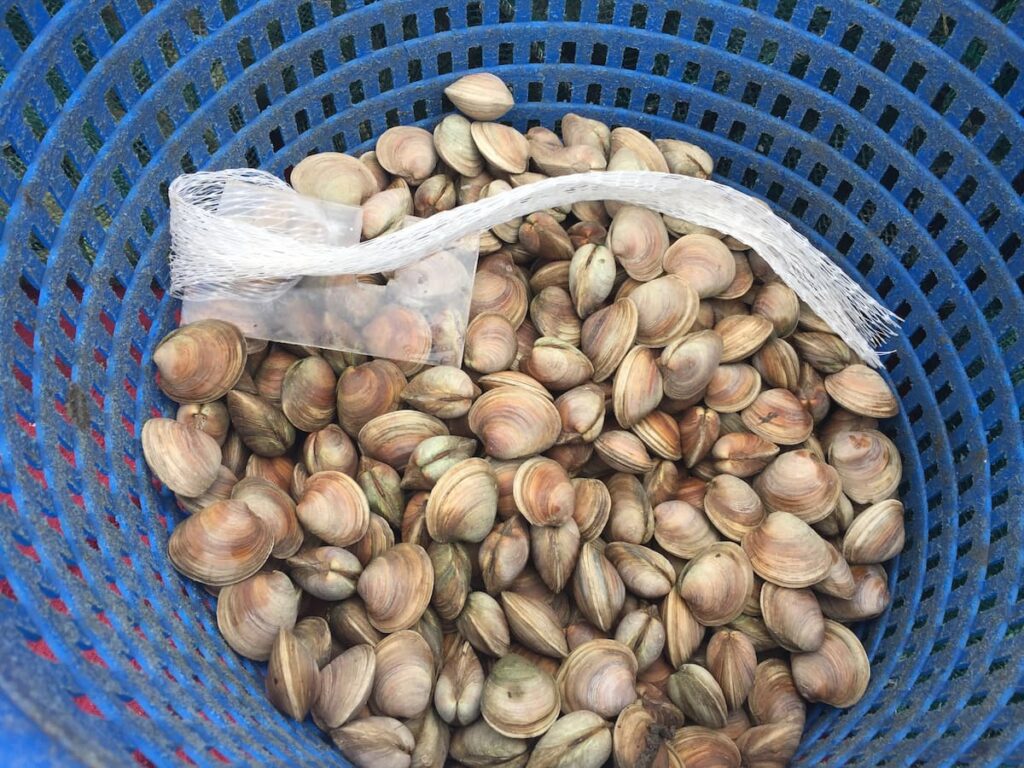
[
  {"x": 201, "y": 361},
  {"x": 334, "y": 508},
  {"x": 211, "y": 418},
  {"x": 480, "y": 96},
  {"x": 868, "y": 464},
  {"x": 330, "y": 448},
  {"x": 597, "y": 587},
  {"x": 184, "y": 459},
  {"x": 582, "y": 412},
  {"x": 407, "y": 152},
  {"x": 381, "y": 742},
  {"x": 876, "y": 534},
  {"x": 646, "y": 150},
  {"x": 699, "y": 747},
  {"x": 742, "y": 454},
  {"x": 778, "y": 416},
  {"x": 592, "y": 508},
  {"x": 478, "y": 746},
  {"x": 221, "y": 544},
  {"x": 742, "y": 336},
  {"x": 637, "y": 388},
  {"x": 345, "y": 686},
  {"x": 703, "y": 262},
  {"x": 772, "y": 744},
  {"x": 786, "y": 551},
  {"x": 779, "y": 304},
  {"x": 554, "y": 550},
  {"x": 276, "y": 509},
  {"x": 452, "y": 573},
  {"x": 732, "y": 660},
  {"x": 328, "y": 573},
  {"x": 392, "y": 437},
  {"x": 598, "y": 676},
  {"x": 335, "y": 177},
  {"x": 520, "y": 700},
  {"x": 645, "y": 572},
  {"x": 483, "y": 624},
  {"x": 581, "y": 739},
  {"x": 557, "y": 364},
  {"x": 292, "y": 676},
  {"x": 779, "y": 366},
  {"x": 685, "y": 159},
  {"x": 403, "y": 681},
  {"x": 396, "y": 587},
  {"x": 631, "y": 518},
  {"x": 696, "y": 692},
  {"x": 683, "y": 633},
  {"x": 553, "y": 314},
  {"x": 513, "y": 422},
  {"x": 793, "y": 616},
  {"x": 264, "y": 429},
  {"x": 454, "y": 144},
  {"x": 837, "y": 673},
  {"x": 250, "y": 613},
  {"x": 504, "y": 554},
  {"x": 607, "y": 335},
  {"x": 506, "y": 149},
  {"x": 591, "y": 278},
  {"x": 681, "y": 529},
  {"x": 535, "y": 624},
  {"x": 715, "y": 584},
  {"x": 774, "y": 697},
  {"x": 460, "y": 686},
  {"x": 733, "y": 506},
  {"x": 543, "y": 493},
  {"x": 862, "y": 391},
  {"x": 637, "y": 239},
  {"x": 870, "y": 598},
  {"x": 660, "y": 433},
  {"x": 464, "y": 502},
  {"x": 367, "y": 391},
  {"x": 623, "y": 452},
  {"x": 799, "y": 483},
  {"x": 732, "y": 388}
]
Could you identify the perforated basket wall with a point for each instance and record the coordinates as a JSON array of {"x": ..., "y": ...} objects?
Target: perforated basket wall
[{"x": 889, "y": 132}]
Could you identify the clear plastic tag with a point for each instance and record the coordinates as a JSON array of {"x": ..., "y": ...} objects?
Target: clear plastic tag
[{"x": 417, "y": 313}]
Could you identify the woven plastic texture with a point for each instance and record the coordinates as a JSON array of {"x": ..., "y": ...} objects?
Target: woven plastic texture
[{"x": 887, "y": 131}]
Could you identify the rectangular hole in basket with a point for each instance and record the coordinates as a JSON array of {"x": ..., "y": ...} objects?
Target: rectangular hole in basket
[
  {"x": 111, "y": 23},
  {"x": 594, "y": 93},
  {"x": 141, "y": 151},
  {"x": 567, "y": 52},
  {"x": 535, "y": 92},
  {"x": 563, "y": 92},
  {"x": 942, "y": 30},
  {"x": 537, "y": 51},
  {"x": 798, "y": 67},
  {"x": 845, "y": 243},
  {"x": 737, "y": 131},
  {"x": 702, "y": 32},
  {"x": 599, "y": 55},
  {"x": 749, "y": 178},
  {"x": 764, "y": 144},
  {"x": 680, "y": 111},
  {"x": 708, "y": 120},
  {"x": 974, "y": 53},
  {"x": 671, "y": 24},
  {"x": 784, "y": 9},
  {"x": 721, "y": 82},
  {"x": 737, "y": 38},
  {"x": 307, "y": 20},
  {"x": 572, "y": 9},
  {"x": 860, "y": 98},
  {"x": 918, "y": 136},
  {"x": 638, "y": 17},
  {"x": 915, "y": 74},
  {"x": 972, "y": 123},
  {"x": 1000, "y": 149},
  {"x": 888, "y": 118},
  {"x": 442, "y": 22},
  {"x": 661, "y": 65},
  {"x": 1005, "y": 79},
  {"x": 883, "y": 56},
  {"x": 317, "y": 63},
  {"x": 819, "y": 20},
  {"x": 288, "y": 79},
  {"x": 1009, "y": 247},
  {"x": 830, "y": 80},
  {"x": 943, "y": 98},
  {"x": 691, "y": 73},
  {"x": 1018, "y": 183},
  {"x": 539, "y": 10},
  {"x": 851, "y": 37},
  {"x": 630, "y": 56}
]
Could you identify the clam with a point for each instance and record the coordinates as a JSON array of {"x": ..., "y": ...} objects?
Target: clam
[
  {"x": 696, "y": 692},
  {"x": 401, "y": 333},
  {"x": 513, "y": 379},
  {"x": 784, "y": 550},
  {"x": 685, "y": 159},
  {"x": 826, "y": 352},
  {"x": 715, "y": 584},
  {"x": 499, "y": 293},
  {"x": 770, "y": 745},
  {"x": 433, "y": 457},
  {"x": 330, "y": 449},
  {"x": 553, "y": 314},
  {"x": 345, "y": 686},
  {"x": 350, "y": 623},
  {"x": 504, "y": 553},
  {"x": 554, "y": 550},
  {"x": 201, "y": 361},
  {"x": 335, "y": 177},
  {"x": 607, "y": 335},
  {"x": 870, "y": 597},
  {"x": 218, "y": 491},
  {"x": 392, "y": 437},
  {"x": 381, "y": 742},
  {"x": 507, "y": 231},
  {"x": 699, "y": 428},
  {"x": 250, "y": 613},
  {"x": 328, "y": 573},
  {"x": 454, "y": 144},
  {"x": 278, "y": 470},
  {"x": 645, "y": 572},
  {"x": 837, "y": 673},
  {"x": 574, "y": 457},
  {"x": 662, "y": 483},
  {"x": 403, "y": 681},
  {"x": 742, "y": 336},
  {"x": 432, "y": 738},
  {"x": 774, "y": 698},
  {"x": 387, "y": 210},
  {"x": 554, "y": 274},
  {"x": 269, "y": 377},
  {"x": 459, "y": 686},
  {"x": 407, "y": 152},
  {"x": 334, "y": 508},
  {"x": 579, "y": 632},
  {"x": 452, "y": 572},
  {"x": 660, "y": 433},
  {"x": 557, "y": 364},
  {"x": 599, "y": 676},
  {"x": 737, "y": 723},
  {"x": 876, "y": 534},
  {"x": 644, "y": 634},
  {"x": 264, "y": 429},
  {"x": 558, "y": 160},
  {"x": 470, "y": 187},
  {"x": 666, "y": 308},
  {"x": 504, "y": 148},
  {"x": 483, "y": 624},
  {"x": 542, "y": 235},
  {"x": 414, "y": 520},
  {"x": 396, "y": 587},
  {"x": 292, "y": 676},
  {"x": 732, "y": 506},
  {"x": 580, "y": 739},
  {"x": 682, "y": 530},
  {"x": 692, "y": 490},
  {"x": 434, "y": 195},
  {"x": 690, "y": 364},
  {"x": 779, "y": 366},
  {"x": 463, "y": 504},
  {"x": 221, "y": 544},
  {"x": 382, "y": 487},
  {"x": 519, "y": 700},
  {"x": 742, "y": 454},
  {"x": 637, "y": 239},
  {"x": 640, "y": 740},
  {"x": 731, "y": 659},
  {"x": 698, "y": 747},
  {"x": 442, "y": 391},
  {"x": 793, "y": 616},
  {"x": 841, "y": 420},
  {"x": 535, "y": 624},
  {"x": 623, "y": 451},
  {"x": 513, "y": 422},
  {"x": 742, "y": 282},
  {"x": 838, "y": 579},
  {"x": 868, "y": 464},
  {"x": 597, "y": 587},
  {"x": 754, "y": 628},
  {"x": 543, "y": 493},
  {"x": 862, "y": 391},
  {"x": 211, "y": 418},
  {"x": 233, "y": 454},
  {"x": 277, "y": 511},
  {"x": 810, "y": 391},
  {"x": 800, "y": 483},
  {"x": 591, "y": 278},
  {"x": 583, "y": 131},
  {"x": 592, "y": 507},
  {"x": 637, "y": 388},
  {"x": 778, "y": 303},
  {"x": 631, "y": 518},
  {"x": 703, "y": 262},
  {"x": 778, "y": 416},
  {"x": 480, "y": 746},
  {"x": 683, "y": 633},
  {"x": 184, "y": 459},
  {"x": 581, "y": 410},
  {"x": 367, "y": 391},
  {"x": 480, "y": 96},
  {"x": 641, "y": 146}
]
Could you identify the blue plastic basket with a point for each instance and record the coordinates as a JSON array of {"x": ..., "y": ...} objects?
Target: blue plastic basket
[{"x": 889, "y": 132}]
